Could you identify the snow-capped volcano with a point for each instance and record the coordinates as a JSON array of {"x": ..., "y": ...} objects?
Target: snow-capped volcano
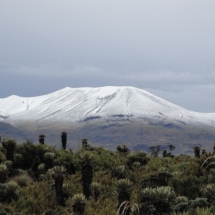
[
  {"x": 76, "y": 105},
  {"x": 107, "y": 116}
]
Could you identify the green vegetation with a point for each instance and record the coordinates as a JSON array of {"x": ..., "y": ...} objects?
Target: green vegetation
[{"x": 40, "y": 179}]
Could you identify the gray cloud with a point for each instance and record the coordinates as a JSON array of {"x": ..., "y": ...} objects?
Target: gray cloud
[
  {"x": 166, "y": 47},
  {"x": 195, "y": 97},
  {"x": 161, "y": 77}
]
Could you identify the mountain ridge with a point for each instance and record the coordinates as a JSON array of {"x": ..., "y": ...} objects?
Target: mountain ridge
[
  {"x": 109, "y": 116},
  {"x": 79, "y": 104}
]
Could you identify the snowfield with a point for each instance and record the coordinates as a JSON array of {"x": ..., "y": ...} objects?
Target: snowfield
[{"x": 77, "y": 105}]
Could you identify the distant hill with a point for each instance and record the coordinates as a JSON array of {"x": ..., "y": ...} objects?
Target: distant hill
[{"x": 8, "y": 131}]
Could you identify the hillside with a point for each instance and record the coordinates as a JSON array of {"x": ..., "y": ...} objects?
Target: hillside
[{"x": 7, "y": 131}]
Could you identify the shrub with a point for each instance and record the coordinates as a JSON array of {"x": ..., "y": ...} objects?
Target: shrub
[
  {"x": 22, "y": 180},
  {"x": 77, "y": 204},
  {"x": 162, "y": 199}
]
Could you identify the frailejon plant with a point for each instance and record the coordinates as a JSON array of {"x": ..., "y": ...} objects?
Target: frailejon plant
[
  {"x": 161, "y": 198},
  {"x": 64, "y": 139},
  {"x": 9, "y": 145},
  {"x": 209, "y": 192},
  {"x": 57, "y": 173},
  {"x": 86, "y": 162},
  {"x": 41, "y": 167},
  {"x": 123, "y": 149},
  {"x": 3, "y": 173},
  {"x": 18, "y": 159},
  {"x": 9, "y": 191},
  {"x": 181, "y": 204},
  {"x": 95, "y": 190},
  {"x": 86, "y": 146},
  {"x": 123, "y": 191},
  {"x": 49, "y": 159},
  {"x": 197, "y": 151},
  {"x": 12, "y": 189},
  {"x": 84, "y": 143},
  {"x": 65, "y": 158},
  {"x": 198, "y": 202},
  {"x": 77, "y": 204},
  {"x": 118, "y": 172},
  {"x": 181, "y": 199},
  {"x": 2, "y": 157},
  {"x": 42, "y": 138}
]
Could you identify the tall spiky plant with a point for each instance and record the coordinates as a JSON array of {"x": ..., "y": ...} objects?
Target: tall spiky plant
[
  {"x": 84, "y": 143},
  {"x": 95, "y": 190},
  {"x": 42, "y": 138},
  {"x": 197, "y": 151},
  {"x": 58, "y": 175},
  {"x": 123, "y": 149},
  {"x": 2, "y": 157},
  {"x": 9, "y": 145},
  {"x": 78, "y": 203},
  {"x": 123, "y": 191},
  {"x": 3, "y": 173},
  {"x": 64, "y": 139},
  {"x": 86, "y": 162}
]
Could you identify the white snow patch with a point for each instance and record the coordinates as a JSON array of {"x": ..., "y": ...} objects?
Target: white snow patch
[{"x": 76, "y": 104}]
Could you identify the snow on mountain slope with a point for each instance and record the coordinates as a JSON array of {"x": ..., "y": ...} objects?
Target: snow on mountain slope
[{"x": 75, "y": 105}]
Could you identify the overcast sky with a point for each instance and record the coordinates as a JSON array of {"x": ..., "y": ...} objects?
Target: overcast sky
[{"x": 166, "y": 47}]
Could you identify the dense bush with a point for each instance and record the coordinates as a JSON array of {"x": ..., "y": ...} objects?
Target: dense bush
[{"x": 39, "y": 179}]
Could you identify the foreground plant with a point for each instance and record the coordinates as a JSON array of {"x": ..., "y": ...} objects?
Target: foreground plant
[
  {"x": 3, "y": 173},
  {"x": 160, "y": 199},
  {"x": 118, "y": 172},
  {"x": 9, "y": 191},
  {"x": 123, "y": 191},
  {"x": 9, "y": 145},
  {"x": 95, "y": 190},
  {"x": 181, "y": 204},
  {"x": 77, "y": 203},
  {"x": 22, "y": 180},
  {"x": 48, "y": 159},
  {"x": 86, "y": 162},
  {"x": 126, "y": 208},
  {"x": 57, "y": 173}
]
